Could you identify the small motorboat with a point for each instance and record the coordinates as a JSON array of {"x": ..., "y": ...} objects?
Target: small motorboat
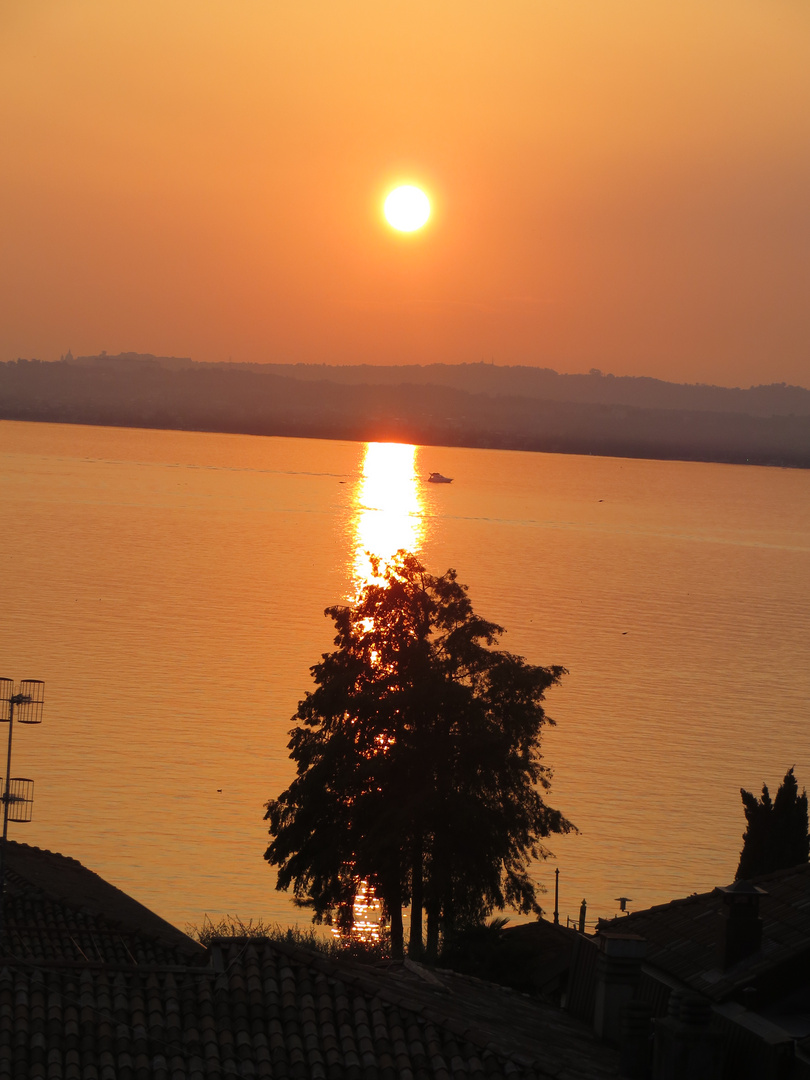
[{"x": 437, "y": 478}]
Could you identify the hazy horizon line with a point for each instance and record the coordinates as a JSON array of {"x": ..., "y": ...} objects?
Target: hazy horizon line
[{"x": 592, "y": 372}]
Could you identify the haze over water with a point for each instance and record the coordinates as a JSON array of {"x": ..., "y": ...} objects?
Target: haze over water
[{"x": 170, "y": 587}]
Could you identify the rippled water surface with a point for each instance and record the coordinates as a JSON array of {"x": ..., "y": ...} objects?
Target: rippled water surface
[{"x": 170, "y": 587}]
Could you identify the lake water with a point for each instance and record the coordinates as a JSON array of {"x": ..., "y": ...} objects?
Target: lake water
[{"x": 169, "y": 587}]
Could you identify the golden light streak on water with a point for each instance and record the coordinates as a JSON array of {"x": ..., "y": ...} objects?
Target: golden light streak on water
[
  {"x": 389, "y": 507},
  {"x": 389, "y": 516}
]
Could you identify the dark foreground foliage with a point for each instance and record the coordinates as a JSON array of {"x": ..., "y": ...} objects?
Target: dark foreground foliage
[
  {"x": 231, "y": 926},
  {"x": 486, "y": 952}
]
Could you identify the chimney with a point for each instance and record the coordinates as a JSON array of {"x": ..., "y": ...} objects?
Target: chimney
[
  {"x": 618, "y": 968},
  {"x": 740, "y": 925},
  {"x": 635, "y": 1053},
  {"x": 686, "y": 1046}
]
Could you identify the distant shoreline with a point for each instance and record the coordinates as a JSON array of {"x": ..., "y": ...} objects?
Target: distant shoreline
[
  {"x": 481, "y": 445},
  {"x": 447, "y": 408}
]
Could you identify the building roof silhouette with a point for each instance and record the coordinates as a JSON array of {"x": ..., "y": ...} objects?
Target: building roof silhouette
[
  {"x": 94, "y": 984},
  {"x": 682, "y": 935}
]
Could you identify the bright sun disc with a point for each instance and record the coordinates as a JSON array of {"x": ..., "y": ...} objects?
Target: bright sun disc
[{"x": 407, "y": 208}]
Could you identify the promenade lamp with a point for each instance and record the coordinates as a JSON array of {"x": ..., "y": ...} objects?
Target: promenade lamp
[{"x": 22, "y": 703}]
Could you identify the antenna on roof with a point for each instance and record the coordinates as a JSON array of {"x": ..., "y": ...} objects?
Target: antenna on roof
[{"x": 26, "y": 701}]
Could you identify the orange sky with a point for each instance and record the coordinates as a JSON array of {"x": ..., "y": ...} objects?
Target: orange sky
[{"x": 622, "y": 185}]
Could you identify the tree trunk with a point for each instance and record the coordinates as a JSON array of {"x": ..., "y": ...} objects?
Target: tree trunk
[
  {"x": 397, "y": 936},
  {"x": 432, "y": 950},
  {"x": 434, "y": 909},
  {"x": 392, "y": 898},
  {"x": 415, "y": 946},
  {"x": 436, "y": 889}
]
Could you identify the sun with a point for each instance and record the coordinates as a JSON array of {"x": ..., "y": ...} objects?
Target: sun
[{"x": 407, "y": 208}]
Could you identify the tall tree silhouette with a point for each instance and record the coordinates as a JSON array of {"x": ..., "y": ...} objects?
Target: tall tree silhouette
[
  {"x": 418, "y": 763},
  {"x": 777, "y": 834}
]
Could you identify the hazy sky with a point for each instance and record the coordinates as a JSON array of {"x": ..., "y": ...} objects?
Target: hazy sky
[{"x": 622, "y": 184}]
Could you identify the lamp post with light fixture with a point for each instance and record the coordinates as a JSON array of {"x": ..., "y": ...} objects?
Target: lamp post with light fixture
[{"x": 22, "y": 703}]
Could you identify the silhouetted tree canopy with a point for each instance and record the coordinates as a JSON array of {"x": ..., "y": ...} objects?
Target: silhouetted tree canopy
[
  {"x": 418, "y": 763},
  {"x": 777, "y": 836}
]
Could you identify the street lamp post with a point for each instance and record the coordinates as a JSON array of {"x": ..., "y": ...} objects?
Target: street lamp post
[{"x": 22, "y": 703}]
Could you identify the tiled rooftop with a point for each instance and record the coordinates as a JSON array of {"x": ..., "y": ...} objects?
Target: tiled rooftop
[
  {"x": 683, "y": 934},
  {"x": 278, "y": 1012},
  {"x": 56, "y": 910},
  {"x": 111, "y": 1006}
]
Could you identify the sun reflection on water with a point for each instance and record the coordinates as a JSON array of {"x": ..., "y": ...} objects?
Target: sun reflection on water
[
  {"x": 388, "y": 516},
  {"x": 369, "y": 923},
  {"x": 389, "y": 507}
]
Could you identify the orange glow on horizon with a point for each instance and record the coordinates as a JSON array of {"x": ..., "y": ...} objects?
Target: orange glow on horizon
[{"x": 206, "y": 181}]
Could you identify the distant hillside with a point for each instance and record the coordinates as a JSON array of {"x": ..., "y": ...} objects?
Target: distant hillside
[
  {"x": 595, "y": 388},
  {"x": 415, "y": 405},
  {"x": 776, "y": 399}
]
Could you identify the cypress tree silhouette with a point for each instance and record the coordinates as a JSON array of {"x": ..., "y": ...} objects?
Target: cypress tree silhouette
[{"x": 777, "y": 834}]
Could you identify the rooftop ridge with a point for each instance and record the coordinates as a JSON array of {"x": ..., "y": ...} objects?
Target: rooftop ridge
[
  {"x": 68, "y": 883},
  {"x": 684, "y": 934},
  {"x": 696, "y": 898}
]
